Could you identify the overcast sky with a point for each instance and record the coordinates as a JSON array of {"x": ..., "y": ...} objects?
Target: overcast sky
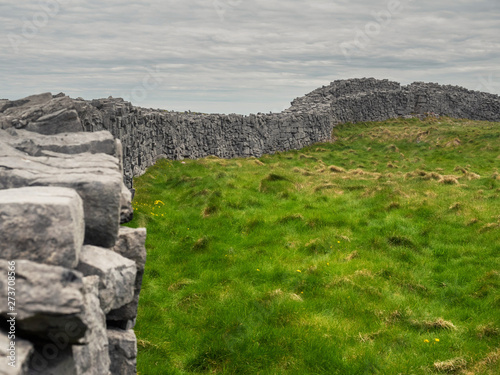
[{"x": 241, "y": 56}]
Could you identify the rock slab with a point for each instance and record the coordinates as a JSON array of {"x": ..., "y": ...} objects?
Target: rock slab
[{"x": 41, "y": 224}]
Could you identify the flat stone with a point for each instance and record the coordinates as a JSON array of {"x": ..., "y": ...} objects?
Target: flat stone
[
  {"x": 23, "y": 351},
  {"x": 62, "y": 121},
  {"x": 95, "y": 177},
  {"x": 117, "y": 275},
  {"x": 49, "y": 300},
  {"x": 122, "y": 351},
  {"x": 66, "y": 143},
  {"x": 41, "y": 224}
]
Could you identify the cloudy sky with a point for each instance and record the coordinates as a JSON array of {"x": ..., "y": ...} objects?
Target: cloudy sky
[{"x": 241, "y": 56}]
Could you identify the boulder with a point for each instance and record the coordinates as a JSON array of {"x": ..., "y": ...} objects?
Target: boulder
[
  {"x": 122, "y": 351},
  {"x": 41, "y": 224},
  {"x": 117, "y": 275},
  {"x": 49, "y": 300}
]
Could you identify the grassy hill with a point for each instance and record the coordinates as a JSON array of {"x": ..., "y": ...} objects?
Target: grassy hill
[{"x": 377, "y": 253}]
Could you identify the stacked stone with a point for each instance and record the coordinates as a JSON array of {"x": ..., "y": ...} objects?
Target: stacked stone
[
  {"x": 149, "y": 134},
  {"x": 78, "y": 273}
]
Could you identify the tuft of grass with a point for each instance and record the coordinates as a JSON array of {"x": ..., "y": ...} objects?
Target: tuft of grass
[
  {"x": 437, "y": 324},
  {"x": 450, "y": 366}
]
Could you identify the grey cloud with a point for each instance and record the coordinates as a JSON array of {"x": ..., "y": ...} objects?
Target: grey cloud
[{"x": 243, "y": 56}]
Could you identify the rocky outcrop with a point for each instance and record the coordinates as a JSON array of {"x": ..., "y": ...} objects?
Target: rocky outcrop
[{"x": 62, "y": 199}]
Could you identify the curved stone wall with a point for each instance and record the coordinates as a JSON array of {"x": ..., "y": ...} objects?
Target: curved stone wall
[{"x": 149, "y": 134}]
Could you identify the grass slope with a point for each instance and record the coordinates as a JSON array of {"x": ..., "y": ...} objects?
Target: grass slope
[{"x": 373, "y": 254}]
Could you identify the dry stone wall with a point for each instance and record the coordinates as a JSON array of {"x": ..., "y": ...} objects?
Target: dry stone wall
[
  {"x": 65, "y": 169},
  {"x": 76, "y": 274},
  {"x": 149, "y": 134}
]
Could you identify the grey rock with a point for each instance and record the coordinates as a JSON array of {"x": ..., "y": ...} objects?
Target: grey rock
[
  {"x": 55, "y": 355},
  {"x": 130, "y": 244},
  {"x": 66, "y": 143},
  {"x": 62, "y": 121},
  {"x": 122, "y": 351},
  {"x": 41, "y": 224},
  {"x": 126, "y": 209},
  {"x": 52, "y": 300},
  {"x": 95, "y": 177},
  {"x": 23, "y": 350},
  {"x": 92, "y": 358},
  {"x": 117, "y": 275}
]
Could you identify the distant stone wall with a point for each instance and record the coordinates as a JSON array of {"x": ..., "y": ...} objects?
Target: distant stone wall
[
  {"x": 149, "y": 134},
  {"x": 76, "y": 272},
  {"x": 72, "y": 273}
]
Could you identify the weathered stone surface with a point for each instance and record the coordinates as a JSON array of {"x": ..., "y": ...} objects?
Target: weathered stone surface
[
  {"x": 122, "y": 351},
  {"x": 23, "y": 351},
  {"x": 117, "y": 275},
  {"x": 35, "y": 110},
  {"x": 130, "y": 244},
  {"x": 92, "y": 358},
  {"x": 95, "y": 177},
  {"x": 49, "y": 300},
  {"x": 41, "y": 224},
  {"x": 148, "y": 134},
  {"x": 126, "y": 209},
  {"x": 66, "y": 143},
  {"x": 63, "y": 121},
  {"x": 55, "y": 355}
]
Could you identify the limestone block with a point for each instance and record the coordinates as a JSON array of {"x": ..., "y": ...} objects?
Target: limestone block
[
  {"x": 23, "y": 351},
  {"x": 55, "y": 355},
  {"x": 62, "y": 121},
  {"x": 130, "y": 244},
  {"x": 95, "y": 177},
  {"x": 41, "y": 224},
  {"x": 66, "y": 143},
  {"x": 122, "y": 351},
  {"x": 117, "y": 275},
  {"x": 49, "y": 300},
  {"x": 92, "y": 358}
]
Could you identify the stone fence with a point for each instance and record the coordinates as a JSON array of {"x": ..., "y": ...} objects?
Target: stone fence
[
  {"x": 149, "y": 134},
  {"x": 70, "y": 275}
]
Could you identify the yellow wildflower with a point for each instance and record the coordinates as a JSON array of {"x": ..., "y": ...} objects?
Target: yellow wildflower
[
  {"x": 426, "y": 340},
  {"x": 437, "y": 340},
  {"x": 299, "y": 271}
]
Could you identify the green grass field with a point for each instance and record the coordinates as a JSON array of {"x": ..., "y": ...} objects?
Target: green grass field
[{"x": 377, "y": 253}]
